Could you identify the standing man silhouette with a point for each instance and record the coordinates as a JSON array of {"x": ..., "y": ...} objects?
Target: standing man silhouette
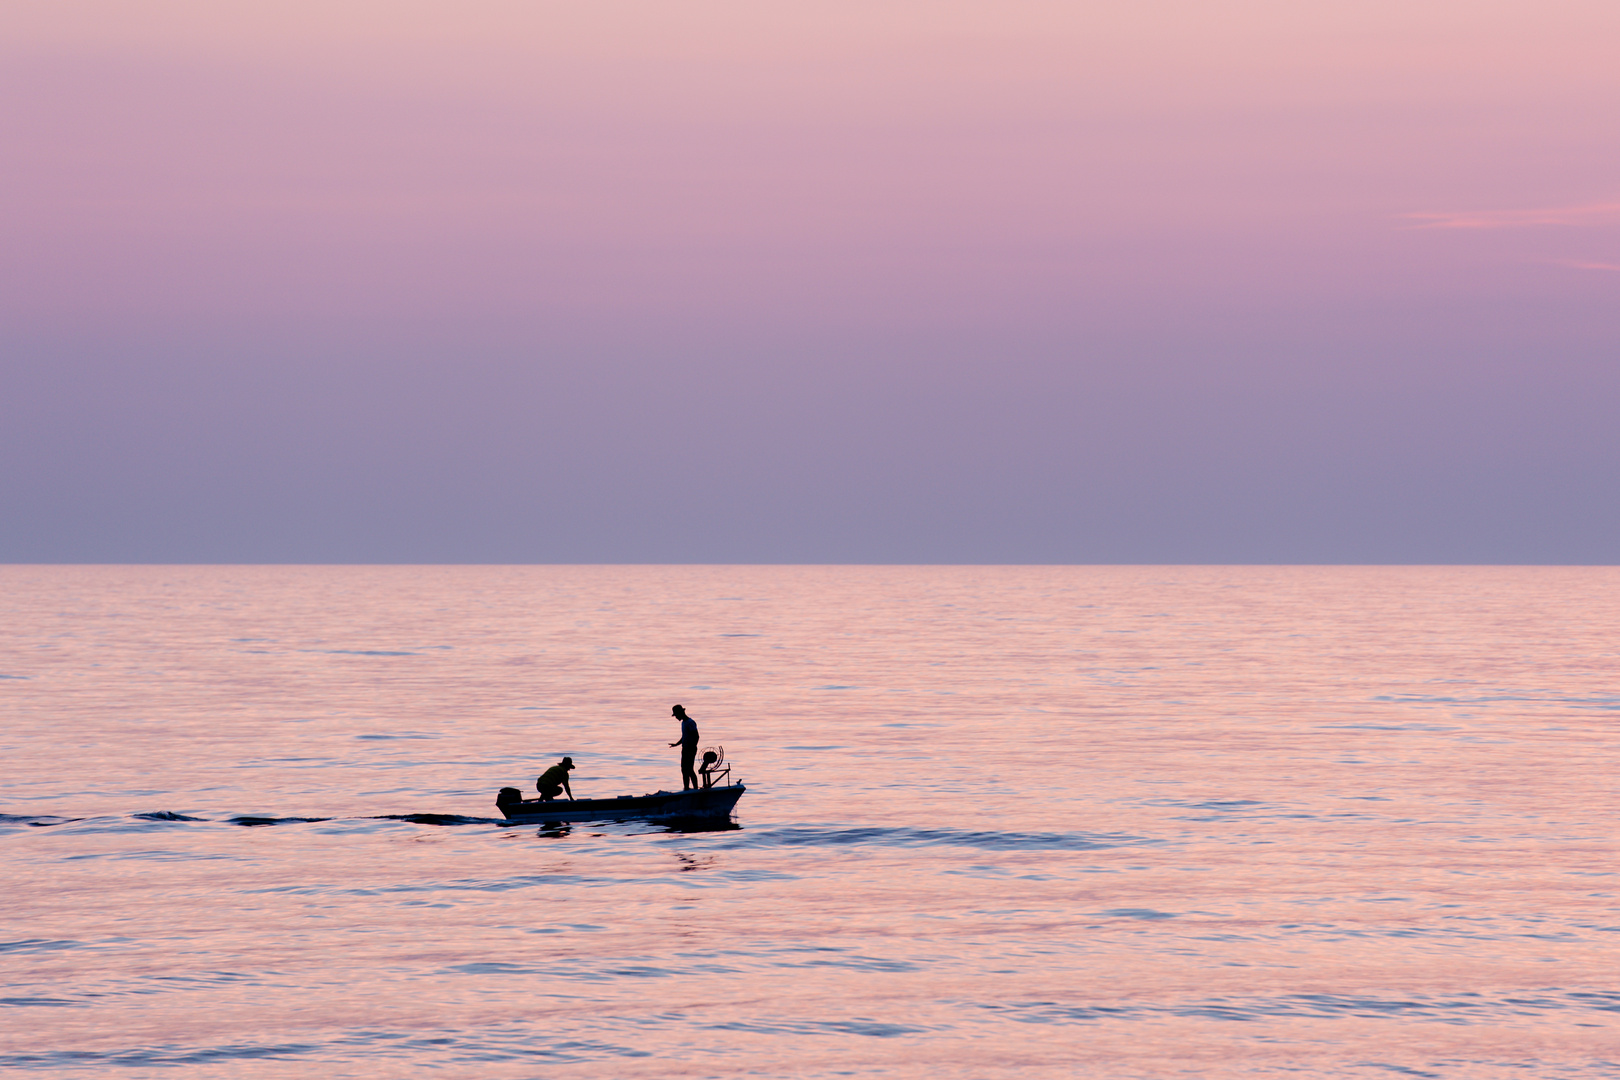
[{"x": 688, "y": 743}]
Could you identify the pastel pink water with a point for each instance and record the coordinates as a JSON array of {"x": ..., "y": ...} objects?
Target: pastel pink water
[{"x": 1119, "y": 822}]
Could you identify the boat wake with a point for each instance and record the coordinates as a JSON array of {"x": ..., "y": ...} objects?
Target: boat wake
[{"x": 134, "y": 822}]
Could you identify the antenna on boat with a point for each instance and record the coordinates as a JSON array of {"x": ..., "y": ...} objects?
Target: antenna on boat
[{"x": 714, "y": 766}]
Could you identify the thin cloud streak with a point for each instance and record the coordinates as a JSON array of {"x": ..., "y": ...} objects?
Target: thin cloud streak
[
  {"x": 1588, "y": 214},
  {"x": 1576, "y": 264}
]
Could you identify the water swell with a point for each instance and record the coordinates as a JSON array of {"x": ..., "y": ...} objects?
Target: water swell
[
  {"x": 155, "y": 1057},
  {"x": 32, "y": 945},
  {"x": 251, "y": 821},
  {"x": 859, "y": 1026},
  {"x": 1461, "y": 1008},
  {"x": 788, "y": 836},
  {"x": 908, "y": 837},
  {"x": 439, "y": 819},
  {"x": 498, "y": 1045},
  {"x": 37, "y": 821}
]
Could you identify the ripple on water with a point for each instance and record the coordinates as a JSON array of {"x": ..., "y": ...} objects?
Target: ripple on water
[
  {"x": 907, "y": 837},
  {"x": 1461, "y": 1008}
]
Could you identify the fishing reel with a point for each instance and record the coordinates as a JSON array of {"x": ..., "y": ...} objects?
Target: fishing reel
[{"x": 713, "y": 766}]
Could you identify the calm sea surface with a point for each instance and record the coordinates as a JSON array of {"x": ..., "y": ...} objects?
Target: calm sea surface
[{"x": 1027, "y": 821}]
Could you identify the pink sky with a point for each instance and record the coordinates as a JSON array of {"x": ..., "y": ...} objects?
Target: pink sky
[
  {"x": 367, "y": 158},
  {"x": 735, "y": 181}
]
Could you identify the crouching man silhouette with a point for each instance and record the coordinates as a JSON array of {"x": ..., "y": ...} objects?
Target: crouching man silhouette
[{"x": 554, "y": 781}]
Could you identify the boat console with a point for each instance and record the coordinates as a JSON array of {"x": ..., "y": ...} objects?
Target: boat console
[{"x": 714, "y": 766}]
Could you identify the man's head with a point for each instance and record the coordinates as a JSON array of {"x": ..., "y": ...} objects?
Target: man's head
[
  {"x": 567, "y": 763},
  {"x": 679, "y": 712}
]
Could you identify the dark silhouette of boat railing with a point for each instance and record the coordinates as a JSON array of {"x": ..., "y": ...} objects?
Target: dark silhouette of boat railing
[{"x": 714, "y": 766}]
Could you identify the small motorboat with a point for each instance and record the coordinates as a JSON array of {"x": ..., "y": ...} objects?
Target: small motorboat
[{"x": 711, "y": 800}]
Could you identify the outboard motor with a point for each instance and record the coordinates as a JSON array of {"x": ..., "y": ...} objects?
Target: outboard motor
[{"x": 507, "y": 799}]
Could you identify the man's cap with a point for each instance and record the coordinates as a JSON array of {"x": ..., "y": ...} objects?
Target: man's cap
[{"x": 567, "y": 763}]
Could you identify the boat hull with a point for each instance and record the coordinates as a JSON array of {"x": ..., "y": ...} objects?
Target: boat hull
[{"x": 715, "y": 802}]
